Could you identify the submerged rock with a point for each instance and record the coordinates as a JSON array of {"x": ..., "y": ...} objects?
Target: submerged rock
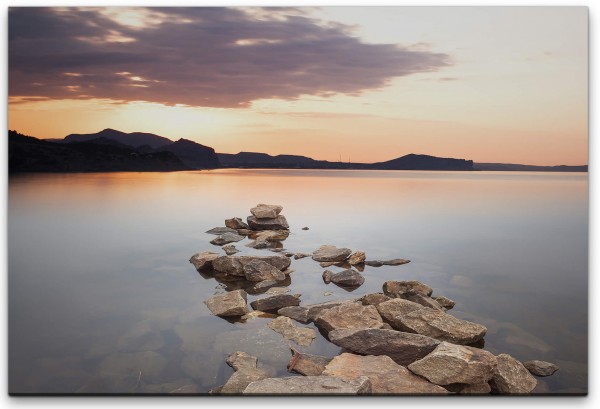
[
  {"x": 149, "y": 363},
  {"x": 374, "y": 263},
  {"x": 396, "y": 289},
  {"x": 276, "y": 223},
  {"x": 275, "y": 302},
  {"x": 445, "y": 302},
  {"x": 307, "y": 364},
  {"x": 298, "y": 256},
  {"x": 511, "y": 377},
  {"x": 176, "y": 387},
  {"x": 232, "y": 304},
  {"x": 235, "y": 223},
  {"x": 402, "y": 347},
  {"x": 331, "y": 253},
  {"x": 451, "y": 363},
  {"x": 226, "y": 238},
  {"x": 358, "y": 257},
  {"x": 309, "y": 385},
  {"x": 386, "y": 376},
  {"x": 540, "y": 368},
  {"x": 266, "y": 211},
  {"x": 349, "y": 315},
  {"x": 221, "y": 230},
  {"x": 204, "y": 260},
  {"x": 258, "y": 270},
  {"x": 230, "y": 249},
  {"x": 285, "y": 326}
]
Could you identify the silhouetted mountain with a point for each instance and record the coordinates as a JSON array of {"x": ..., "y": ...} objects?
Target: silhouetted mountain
[
  {"x": 134, "y": 139},
  {"x": 255, "y": 159},
  {"x": 193, "y": 154},
  {"x": 29, "y": 154},
  {"x": 424, "y": 162},
  {"x": 528, "y": 168}
]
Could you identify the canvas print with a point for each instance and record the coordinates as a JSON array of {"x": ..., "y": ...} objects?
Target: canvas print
[{"x": 219, "y": 201}]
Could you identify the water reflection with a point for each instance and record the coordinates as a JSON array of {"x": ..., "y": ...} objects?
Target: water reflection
[{"x": 100, "y": 288}]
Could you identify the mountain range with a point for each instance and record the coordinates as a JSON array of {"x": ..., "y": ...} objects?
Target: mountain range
[{"x": 113, "y": 150}]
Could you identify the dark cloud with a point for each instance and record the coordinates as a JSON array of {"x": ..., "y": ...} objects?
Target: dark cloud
[{"x": 214, "y": 57}]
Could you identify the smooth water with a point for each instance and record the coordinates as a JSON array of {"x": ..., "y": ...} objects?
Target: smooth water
[{"x": 102, "y": 298}]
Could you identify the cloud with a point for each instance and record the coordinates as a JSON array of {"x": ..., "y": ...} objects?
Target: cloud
[{"x": 208, "y": 57}]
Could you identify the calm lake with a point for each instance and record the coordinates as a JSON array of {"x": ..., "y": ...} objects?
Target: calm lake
[{"x": 103, "y": 299}]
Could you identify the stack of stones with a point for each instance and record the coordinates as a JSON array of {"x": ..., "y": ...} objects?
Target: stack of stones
[{"x": 267, "y": 217}]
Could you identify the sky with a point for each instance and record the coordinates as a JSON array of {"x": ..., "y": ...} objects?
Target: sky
[{"x": 367, "y": 84}]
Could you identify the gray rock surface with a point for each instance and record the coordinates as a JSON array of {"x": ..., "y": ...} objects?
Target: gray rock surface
[
  {"x": 235, "y": 223},
  {"x": 298, "y": 256},
  {"x": 258, "y": 270},
  {"x": 226, "y": 238},
  {"x": 231, "y": 304},
  {"x": 358, "y": 257},
  {"x": 395, "y": 262},
  {"x": 285, "y": 326},
  {"x": 297, "y": 313},
  {"x": 234, "y": 265},
  {"x": 511, "y": 377},
  {"x": 275, "y": 302},
  {"x": 230, "y": 249},
  {"x": 328, "y": 253},
  {"x": 347, "y": 278},
  {"x": 309, "y": 385},
  {"x": 266, "y": 211},
  {"x": 276, "y": 223},
  {"x": 386, "y": 376},
  {"x": 221, "y": 230},
  {"x": 327, "y": 274},
  {"x": 348, "y": 315},
  {"x": 395, "y": 289},
  {"x": 540, "y": 368},
  {"x": 374, "y": 263},
  {"x": 451, "y": 363},
  {"x": 204, "y": 260},
  {"x": 402, "y": 347}
]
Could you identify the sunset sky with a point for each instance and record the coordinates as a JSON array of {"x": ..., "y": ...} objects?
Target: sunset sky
[{"x": 369, "y": 84}]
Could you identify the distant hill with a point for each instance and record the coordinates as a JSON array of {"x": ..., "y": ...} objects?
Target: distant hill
[
  {"x": 29, "y": 154},
  {"x": 424, "y": 162},
  {"x": 193, "y": 154},
  {"x": 133, "y": 139},
  {"x": 255, "y": 159},
  {"x": 528, "y": 168}
]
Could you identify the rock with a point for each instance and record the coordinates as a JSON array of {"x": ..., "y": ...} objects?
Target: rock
[
  {"x": 480, "y": 389},
  {"x": 277, "y": 223},
  {"x": 141, "y": 337},
  {"x": 374, "y": 299},
  {"x": 395, "y": 289},
  {"x": 386, "y": 376},
  {"x": 234, "y": 265},
  {"x": 277, "y": 290},
  {"x": 194, "y": 337},
  {"x": 511, "y": 377},
  {"x": 258, "y": 270},
  {"x": 257, "y": 340},
  {"x": 244, "y": 232},
  {"x": 450, "y": 363},
  {"x": 395, "y": 262},
  {"x": 316, "y": 309},
  {"x": 258, "y": 244},
  {"x": 262, "y": 285},
  {"x": 358, "y": 257},
  {"x": 257, "y": 314},
  {"x": 284, "y": 326},
  {"x": 226, "y": 238},
  {"x": 331, "y": 253},
  {"x": 149, "y": 363},
  {"x": 349, "y": 278},
  {"x": 408, "y": 316},
  {"x": 179, "y": 386},
  {"x": 204, "y": 260},
  {"x": 265, "y": 211},
  {"x": 288, "y": 254},
  {"x": 221, "y": 230},
  {"x": 422, "y": 300},
  {"x": 327, "y": 293},
  {"x": 270, "y": 235},
  {"x": 327, "y": 276},
  {"x": 298, "y": 256},
  {"x": 326, "y": 264},
  {"x": 305, "y": 228},
  {"x": 236, "y": 223},
  {"x": 374, "y": 263},
  {"x": 299, "y": 314},
  {"x": 402, "y": 347},
  {"x": 445, "y": 302},
  {"x": 202, "y": 367},
  {"x": 246, "y": 372},
  {"x": 348, "y": 315},
  {"x": 540, "y": 368},
  {"x": 309, "y": 385},
  {"x": 232, "y": 304},
  {"x": 230, "y": 249},
  {"x": 306, "y": 364},
  {"x": 275, "y": 302}
]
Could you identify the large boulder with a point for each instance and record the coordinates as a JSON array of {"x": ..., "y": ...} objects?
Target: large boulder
[
  {"x": 328, "y": 253},
  {"x": 276, "y": 223},
  {"x": 258, "y": 270},
  {"x": 408, "y": 316},
  {"x": 246, "y": 371},
  {"x": 275, "y": 302},
  {"x": 402, "y": 347},
  {"x": 540, "y": 368},
  {"x": 266, "y": 211},
  {"x": 285, "y": 326},
  {"x": 234, "y": 265},
  {"x": 307, "y": 364},
  {"x": 349, "y": 315},
  {"x": 315, "y": 309},
  {"x": 386, "y": 376},
  {"x": 204, "y": 260},
  {"x": 395, "y": 289},
  {"x": 235, "y": 223},
  {"x": 309, "y": 385},
  {"x": 231, "y": 304},
  {"x": 511, "y": 377},
  {"x": 346, "y": 278},
  {"x": 451, "y": 363}
]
